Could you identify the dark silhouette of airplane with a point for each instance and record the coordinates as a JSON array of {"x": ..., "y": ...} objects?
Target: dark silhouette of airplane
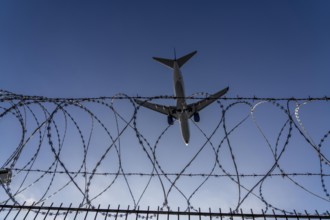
[{"x": 182, "y": 111}]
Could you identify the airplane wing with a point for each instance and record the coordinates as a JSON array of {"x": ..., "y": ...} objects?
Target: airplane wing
[
  {"x": 197, "y": 106},
  {"x": 166, "y": 110}
]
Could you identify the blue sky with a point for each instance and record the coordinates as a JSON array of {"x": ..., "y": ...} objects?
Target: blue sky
[
  {"x": 263, "y": 48},
  {"x": 102, "y": 48}
]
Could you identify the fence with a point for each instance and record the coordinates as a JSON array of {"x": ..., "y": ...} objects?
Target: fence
[{"x": 60, "y": 212}]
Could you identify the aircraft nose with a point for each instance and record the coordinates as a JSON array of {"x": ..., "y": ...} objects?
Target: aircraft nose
[{"x": 185, "y": 135}]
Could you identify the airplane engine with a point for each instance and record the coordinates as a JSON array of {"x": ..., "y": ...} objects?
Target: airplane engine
[
  {"x": 196, "y": 117},
  {"x": 170, "y": 120}
]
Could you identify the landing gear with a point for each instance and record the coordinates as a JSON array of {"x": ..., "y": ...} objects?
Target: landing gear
[
  {"x": 196, "y": 117},
  {"x": 170, "y": 120}
]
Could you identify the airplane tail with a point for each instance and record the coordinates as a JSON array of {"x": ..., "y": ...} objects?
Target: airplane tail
[{"x": 180, "y": 61}]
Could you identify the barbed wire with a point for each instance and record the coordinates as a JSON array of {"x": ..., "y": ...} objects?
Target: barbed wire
[
  {"x": 6, "y": 96},
  {"x": 98, "y": 149},
  {"x": 170, "y": 174}
]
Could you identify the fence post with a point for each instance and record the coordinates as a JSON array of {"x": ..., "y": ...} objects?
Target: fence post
[
  {"x": 67, "y": 212},
  {"x": 263, "y": 214},
  {"x": 127, "y": 212},
  {"x": 28, "y": 212},
  {"x": 157, "y": 213},
  {"x": 97, "y": 212},
  {"x": 210, "y": 213},
  {"x": 252, "y": 214},
  {"x": 106, "y": 214},
  {"x": 147, "y": 213},
  {"x": 274, "y": 214},
  {"x": 20, "y": 211},
  {"x": 58, "y": 210}
]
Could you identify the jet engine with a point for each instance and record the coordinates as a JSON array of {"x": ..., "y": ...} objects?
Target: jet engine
[
  {"x": 196, "y": 117},
  {"x": 170, "y": 120}
]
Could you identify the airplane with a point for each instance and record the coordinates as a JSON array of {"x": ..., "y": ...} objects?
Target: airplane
[{"x": 182, "y": 111}]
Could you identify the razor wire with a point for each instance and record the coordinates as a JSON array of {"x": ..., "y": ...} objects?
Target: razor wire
[{"x": 94, "y": 150}]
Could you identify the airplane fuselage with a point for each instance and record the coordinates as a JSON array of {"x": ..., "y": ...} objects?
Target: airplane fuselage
[{"x": 181, "y": 102}]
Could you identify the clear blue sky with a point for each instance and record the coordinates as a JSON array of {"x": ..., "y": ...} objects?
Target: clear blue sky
[
  {"x": 101, "y": 48},
  {"x": 88, "y": 48}
]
